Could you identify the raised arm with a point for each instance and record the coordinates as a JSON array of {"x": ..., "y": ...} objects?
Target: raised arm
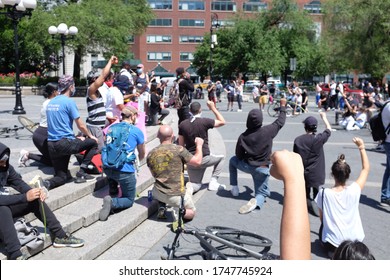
[
  {"x": 219, "y": 119},
  {"x": 196, "y": 160},
  {"x": 325, "y": 120},
  {"x": 361, "y": 180},
  {"x": 294, "y": 227},
  {"x": 100, "y": 80}
]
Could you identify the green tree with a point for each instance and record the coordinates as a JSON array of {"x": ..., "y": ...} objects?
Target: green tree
[
  {"x": 359, "y": 34},
  {"x": 104, "y": 26}
]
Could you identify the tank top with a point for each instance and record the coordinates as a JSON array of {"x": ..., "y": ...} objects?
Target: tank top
[{"x": 96, "y": 112}]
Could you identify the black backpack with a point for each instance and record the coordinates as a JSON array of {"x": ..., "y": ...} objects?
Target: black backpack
[{"x": 378, "y": 131}]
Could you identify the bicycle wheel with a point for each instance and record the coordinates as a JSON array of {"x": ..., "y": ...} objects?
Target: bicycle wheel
[
  {"x": 240, "y": 236},
  {"x": 28, "y": 124},
  {"x": 273, "y": 109}
]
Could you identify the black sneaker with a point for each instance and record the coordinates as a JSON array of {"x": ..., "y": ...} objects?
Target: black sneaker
[
  {"x": 82, "y": 177},
  {"x": 106, "y": 208},
  {"x": 68, "y": 241}
]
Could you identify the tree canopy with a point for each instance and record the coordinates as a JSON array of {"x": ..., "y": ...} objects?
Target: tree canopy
[{"x": 104, "y": 26}]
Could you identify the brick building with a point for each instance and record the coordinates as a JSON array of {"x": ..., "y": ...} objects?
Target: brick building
[{"x": 179, "y": 25}]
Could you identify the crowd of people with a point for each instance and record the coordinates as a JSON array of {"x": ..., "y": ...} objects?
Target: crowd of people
[{"x": 133, "y": 100}]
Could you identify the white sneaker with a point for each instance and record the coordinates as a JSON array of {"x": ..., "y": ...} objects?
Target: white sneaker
[
  {"x": 23, "y": 158},
  {"x": 235, "y": 191},
  {"x": 215, "y": 186},
  {"x": 239, "y": 110},
  {"x": 249, "y": 207}
]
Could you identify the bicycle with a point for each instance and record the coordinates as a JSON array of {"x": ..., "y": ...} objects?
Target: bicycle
[
  {"x": 239, "y": 241},
  {"x": 28, "y": 124},
  {"x": 10, "y": 131},
  {"x": 274, "y": 109}
]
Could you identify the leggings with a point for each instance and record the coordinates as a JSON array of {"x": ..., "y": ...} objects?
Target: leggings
[{"x": 40, "y": 141}]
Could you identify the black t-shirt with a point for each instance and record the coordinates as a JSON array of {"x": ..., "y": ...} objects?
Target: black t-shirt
[
  {"x": 198, "y": 128},
  {"x": 311, "y": 148}
]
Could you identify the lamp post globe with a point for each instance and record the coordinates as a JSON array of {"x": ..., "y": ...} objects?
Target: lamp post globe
[{"x": 15, "y": 10}]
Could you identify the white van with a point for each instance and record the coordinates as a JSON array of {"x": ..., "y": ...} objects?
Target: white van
[{"x": 276, "y": 81}]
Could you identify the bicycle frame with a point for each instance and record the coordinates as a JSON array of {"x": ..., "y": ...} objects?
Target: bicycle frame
[{"x": 213, "y": 252}]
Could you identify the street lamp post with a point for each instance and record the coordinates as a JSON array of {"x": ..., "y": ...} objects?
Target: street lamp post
[
  {"x": 63, "y": 31},
  {"x": 213, "y": 41},
  {"x": 16, "y": 10}
]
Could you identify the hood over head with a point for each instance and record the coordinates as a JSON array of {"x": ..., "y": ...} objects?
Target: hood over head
[
  {"x": 255, "y": 119},
  {"x": 4, "y": 155}
]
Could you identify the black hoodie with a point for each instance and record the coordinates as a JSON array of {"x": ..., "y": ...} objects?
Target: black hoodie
[
  {"x": 13, "y": 179},
  {"x": 255, "y": 144}
]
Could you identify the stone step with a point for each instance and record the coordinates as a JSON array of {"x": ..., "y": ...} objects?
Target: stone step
[{"x": 100, "y": 236}]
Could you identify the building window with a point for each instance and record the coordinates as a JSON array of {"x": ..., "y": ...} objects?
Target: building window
[
  {"x": 226, "y": 22},
  {"x": 190, "y": 39},
  {"x": 191, "y": 22},
  {"x": 186, "y": 56},
  {"x": 130, "y": 39},
  {"x": 160, "y": 4},
  {"x": 254, "y": 6},
  {"x": 223, "y": 6},
  {"x": 161, "y": 22},
  {"x": 159, "y": 39},
  {"x": 314, "y": 7},
  {"x": 165, "y": 56},
  {"x": 188, "y": 5}
]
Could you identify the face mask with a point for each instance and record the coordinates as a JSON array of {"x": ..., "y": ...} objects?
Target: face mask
[
  {"x": 73, "y": 91},
  {"x": 139, "y": 71}
]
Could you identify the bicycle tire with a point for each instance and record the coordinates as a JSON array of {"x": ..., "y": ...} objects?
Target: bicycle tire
[
  {"x": 240, "y": 236},
  {"x": 273, "y": 109},
  {"x": 28, "y": 124}
]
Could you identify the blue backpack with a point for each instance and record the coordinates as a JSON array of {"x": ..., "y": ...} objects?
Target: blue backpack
[{"x": 115, "y": 152}]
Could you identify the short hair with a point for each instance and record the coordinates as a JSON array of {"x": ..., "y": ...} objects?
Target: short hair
[{"x": 195, "y": 107}]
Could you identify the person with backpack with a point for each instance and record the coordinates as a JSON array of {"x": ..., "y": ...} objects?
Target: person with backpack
[
  {"x": 118, "y": 158},
  {"x": 385, "y": 191},
  {"x": 185, "y": 86}
]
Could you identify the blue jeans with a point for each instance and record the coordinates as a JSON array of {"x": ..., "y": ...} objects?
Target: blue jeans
[
  {"x": 385, "y": 194},
  {"x": 128, "y": 183},
  {"x": 260, "y": 176}
]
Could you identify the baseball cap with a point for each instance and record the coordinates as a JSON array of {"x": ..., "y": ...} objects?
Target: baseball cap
[
  {"x": 128, "y": 111},
  {"x": 310, "y": 121},
  {"x": 125, "y": 62},
  {"x": 65, "y": 82},
  {"x": 140, "y": 66}
]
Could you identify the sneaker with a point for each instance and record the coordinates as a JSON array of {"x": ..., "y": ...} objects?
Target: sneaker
[
  {"x": 22, "y": 257},
  {"x": 239, "y": 110},
  {"x": 385, "y": 202},
  {"x": 82, "y": 177},
  {"x": 106, "y": 208},
  {"x": 161, "y": 213},
  {"x": 235, "y": 191},
  {"x": 23, "y": 158},
  {"x": 249, "y": 207},
  {"x": 215, "y": 186},
  {"x": 68, "y": 241}
]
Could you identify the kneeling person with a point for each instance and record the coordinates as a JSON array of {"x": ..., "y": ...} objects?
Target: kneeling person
[
  {"x": 122, "y": 172},
  {"x": 166, "y": 163}
]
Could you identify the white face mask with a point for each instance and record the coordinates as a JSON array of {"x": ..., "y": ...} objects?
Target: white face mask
[{"x": 73, "y": 91}]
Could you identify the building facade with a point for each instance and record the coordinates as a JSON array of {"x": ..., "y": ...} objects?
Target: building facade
[{"x": 171, "y": 38}]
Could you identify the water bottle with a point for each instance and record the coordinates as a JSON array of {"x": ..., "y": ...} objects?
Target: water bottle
[{"x": 150, "y": 196}]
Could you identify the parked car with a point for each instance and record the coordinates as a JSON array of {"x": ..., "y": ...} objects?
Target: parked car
[
  {"x": 251, "y": 83},
  {"x": 276, "y": 81},
  {"x": 356, "y": 93}
]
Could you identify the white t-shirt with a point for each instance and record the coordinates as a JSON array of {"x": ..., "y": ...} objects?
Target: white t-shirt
[
  {"x": 43, "y": 119},
  {"x": 114, "y": 98},
  {"x": 340, "y": 213},
  {"x": 103, "y": 90}
]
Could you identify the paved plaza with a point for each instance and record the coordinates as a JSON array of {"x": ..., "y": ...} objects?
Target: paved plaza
[{"x": 220, "y": 208}]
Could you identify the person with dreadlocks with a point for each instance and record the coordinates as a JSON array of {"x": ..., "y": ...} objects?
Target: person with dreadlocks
[
  {"x": 310, "y": 146},
  {"x": 339, "y": 205}
]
